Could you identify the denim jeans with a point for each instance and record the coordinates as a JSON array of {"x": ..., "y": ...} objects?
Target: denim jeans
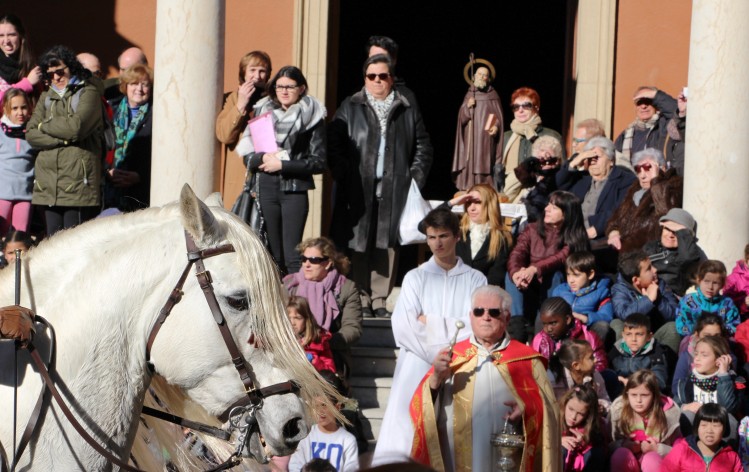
[{"x": 525, "y": 304}]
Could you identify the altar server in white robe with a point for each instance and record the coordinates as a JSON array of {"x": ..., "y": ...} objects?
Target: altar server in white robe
[{"x": 433, "y": 297}]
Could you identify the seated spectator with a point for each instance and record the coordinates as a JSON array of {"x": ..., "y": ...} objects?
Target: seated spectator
[
  {"x": 588, "y": 295},
  {"x": 574, "y": 365},
  {"x": 525, "y": 128},
  {"x": 652, "y": 195},
  {"x": 314, "y": 340},
  {"x": 327, "y": 439},
  {"x": 706, "y": 449},
  {"x": 711, "y": 276},
  {"x": 737, "y": 284},
  {"x": 535, "y": 264},
  {"x": 644, "y": 425},
  {"x": 583, "y": 445},
  {"x": 637, "y": 350},
  {"x": 653, "y": 109},
  {"x": 128, "y": 177},
  {"x": 676, "y": 135},
  {"x": 537, "y": 176},
  {"x": 676, "y": 254},
  {"x": 485, "y": 240},
  {"x": 707, "y": 325},
  {"x": 12, "y": 241},
  {"x": 16, "y": 162},
  {"x": 584, "y": 132},
  {"x": 559, "y": 324},
  {"x": 601, "y": 186},
  {"x": 639, "y": 290},
  {"x": 333, "y": 299},
  {"x": 711, "y": 381}
]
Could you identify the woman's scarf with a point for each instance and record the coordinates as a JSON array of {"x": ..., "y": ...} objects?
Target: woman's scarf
[
  {"x": 12, "y": 130},
  {"x": 126, "y": 128},
  {"x": 321, "y": 296},
  {"x": 287, "y": 124},
  {"x": 629, "y": 133},
  {"x": 478, "y": 234},
  {"x": 527, "y": 129},
  {"x": 381, "y": 108},
  {"x": 576, "y": 457},
  {"x": 708, "y": 383},
  {"x": 10, "y": 69}
]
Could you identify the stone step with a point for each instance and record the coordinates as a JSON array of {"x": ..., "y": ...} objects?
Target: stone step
[
  {"x": 373, "y": 361},
  {"x": 371, "y": 392},
  {"x": 376, "y": 332}
]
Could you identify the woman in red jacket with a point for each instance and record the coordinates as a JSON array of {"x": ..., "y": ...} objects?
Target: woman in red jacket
[{"x": 536, "y": 263}]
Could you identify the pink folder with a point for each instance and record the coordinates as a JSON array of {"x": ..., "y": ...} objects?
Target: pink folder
[{"x": 262, "y": 134}]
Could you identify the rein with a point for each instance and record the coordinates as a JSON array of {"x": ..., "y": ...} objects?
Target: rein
[{"x": 245, "y": 407}]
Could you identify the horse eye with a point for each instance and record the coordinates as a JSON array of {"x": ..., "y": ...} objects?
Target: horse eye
[{"x": 239, "y": 303}]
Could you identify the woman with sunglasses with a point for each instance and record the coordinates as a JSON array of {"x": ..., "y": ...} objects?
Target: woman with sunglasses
[
  {"x": 537, "y": 176},
  {"x": 17, "y": 68},
  {"x": 67, "y": 130},
  {"x": 536, "y": 262},
  {"x": 333, "y": 299},
  {"x": 525, "y": 128},
  {"x": 284, "y": 176},
  {"x": 655, "y": 191}
]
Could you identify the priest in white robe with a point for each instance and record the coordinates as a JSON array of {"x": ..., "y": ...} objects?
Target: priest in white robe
[{"x": 433, "y": 297}]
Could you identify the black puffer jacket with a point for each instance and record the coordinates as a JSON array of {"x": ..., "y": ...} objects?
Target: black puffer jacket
[{"x": 353, "y": 143}]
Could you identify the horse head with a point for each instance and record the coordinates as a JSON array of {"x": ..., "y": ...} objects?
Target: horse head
[{"x": 190, "y": 352}]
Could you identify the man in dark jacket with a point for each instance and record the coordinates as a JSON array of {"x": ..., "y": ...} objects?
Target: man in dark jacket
[{"x": 377, "y": 143}]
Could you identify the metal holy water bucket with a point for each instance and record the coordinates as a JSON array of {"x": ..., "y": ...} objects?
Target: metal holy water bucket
[{"x": 507, "y": 449}]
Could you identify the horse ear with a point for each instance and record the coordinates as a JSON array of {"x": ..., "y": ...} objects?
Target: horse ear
[
  {"x": 214, "y": 200},
  {"x": 197, "y": 217}
]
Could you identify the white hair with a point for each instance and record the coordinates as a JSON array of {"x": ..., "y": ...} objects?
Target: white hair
[{"x": 492, "y": 290}]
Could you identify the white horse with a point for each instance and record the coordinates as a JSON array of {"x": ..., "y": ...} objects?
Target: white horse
[{"x": 101, "y": 286}]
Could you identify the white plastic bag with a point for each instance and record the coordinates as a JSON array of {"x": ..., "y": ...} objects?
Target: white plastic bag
[{"x": 415, "y": 210}]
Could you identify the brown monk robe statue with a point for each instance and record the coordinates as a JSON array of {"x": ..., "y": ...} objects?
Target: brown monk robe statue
[
  {"x": 16, "y": 322},
  {"x": 480, "y": 128}
]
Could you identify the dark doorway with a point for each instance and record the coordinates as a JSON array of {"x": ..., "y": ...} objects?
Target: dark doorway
[{"x": 525, "y": 40}]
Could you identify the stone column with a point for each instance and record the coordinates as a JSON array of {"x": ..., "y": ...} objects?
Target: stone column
[
  {"x": 187, "y": 96},
  {"x": 716, "y": 183},
  {"x": 594, "y": 61}
]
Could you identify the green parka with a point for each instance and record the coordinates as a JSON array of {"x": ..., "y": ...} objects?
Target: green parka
[{"x": 68, "y": 133}]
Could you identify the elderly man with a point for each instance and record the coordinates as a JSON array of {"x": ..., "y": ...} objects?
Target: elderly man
[
  {"x": 377, "y": 143},
  {"x": 477, "y": 385},
  {"x": 433, "y": 298},
  {"x": 478, "y": 134},
  {"x": 91, "y": 62},
  {"x": 601, "y": 186},
  {"x": 584, "y": 132},
  {"x": 127, "y": 58},
  {"x": 653, "y": 110}
]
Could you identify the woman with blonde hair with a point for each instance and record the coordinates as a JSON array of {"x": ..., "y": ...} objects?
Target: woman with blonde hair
[
  {"x": 485, "y": 241},
  {"x": 333, "y": 298}
]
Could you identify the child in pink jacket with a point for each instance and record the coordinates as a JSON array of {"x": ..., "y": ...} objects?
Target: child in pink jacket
[{"x": 737, "y": 284}]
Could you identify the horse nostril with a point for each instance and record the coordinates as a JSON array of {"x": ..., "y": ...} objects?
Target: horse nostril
[{"x": 291, "y": 429}]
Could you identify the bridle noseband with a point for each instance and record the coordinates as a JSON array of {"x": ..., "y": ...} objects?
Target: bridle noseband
[{"x": 254, "y": 396}]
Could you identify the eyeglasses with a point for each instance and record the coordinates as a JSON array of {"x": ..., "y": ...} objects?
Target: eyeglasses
[
  {"x": 286, "y": 88},
  {"x": 578, "y": 140},
  {"x": 58, "y": 72},
  {"x": 645, "y": 167},
  {"x": 493, "y": 312},
  {"x": 525, "y": 106},
  {"x": 313, "y": 260},
  {"x": 381, "y": 76},
  {"x": 643, "y": 101},
  {"x": 548, "y": 161}
]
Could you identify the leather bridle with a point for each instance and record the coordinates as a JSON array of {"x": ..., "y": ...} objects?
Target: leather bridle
[{"x": 245, "y": 407}]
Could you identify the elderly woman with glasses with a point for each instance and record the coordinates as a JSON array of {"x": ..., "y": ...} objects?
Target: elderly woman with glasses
[
  {"x": 537, "y": 176},
  {"x": 655, "y": 191},
  {"x": 285, "y": 174},
  {"x": 525, "y": 128},
  {"x": 333, "y": 298}
]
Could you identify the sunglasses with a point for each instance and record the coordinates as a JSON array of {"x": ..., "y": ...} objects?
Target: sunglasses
[
  {"x": 58, "y": 72},
  {"x": 381, "y": 76},
  {"x": 313, "y": 260},
  {"x": 286, "y": 88},
  {"x": 548, "y": 161},
  {"x": 525, "y": 106},
  {"x": 643, "y": 101},
  {"x": 645, "y": 167},
  {"x": 493, "y": 312}
]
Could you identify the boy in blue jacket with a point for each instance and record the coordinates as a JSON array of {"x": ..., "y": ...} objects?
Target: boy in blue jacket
[
  {"x": 638, "y": 290},
  {"x": 638, "y": 349},
  {"x": 589, "y": 297}
]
